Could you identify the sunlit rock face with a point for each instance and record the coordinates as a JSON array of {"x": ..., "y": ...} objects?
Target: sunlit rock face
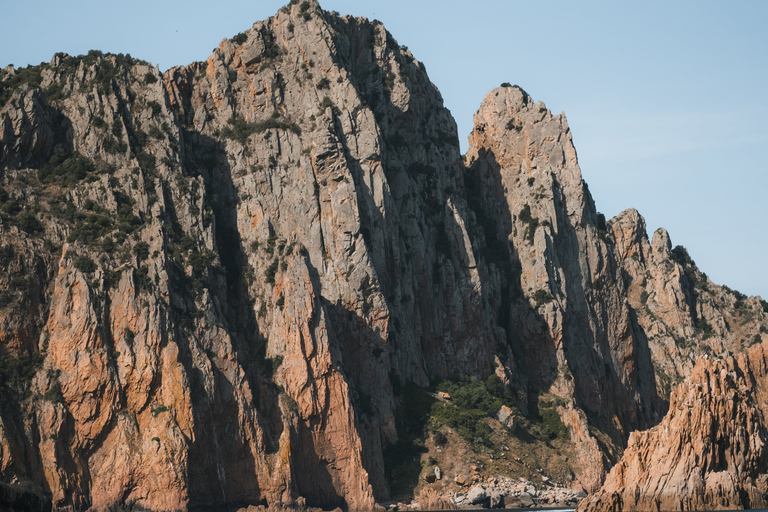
[{"x": 219, "y": 280}]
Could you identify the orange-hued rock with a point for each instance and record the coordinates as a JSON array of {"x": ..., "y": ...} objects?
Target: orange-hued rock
[
  {"x": 223, "y": 285},
  {"x": 78, "y": 355},
  {"x": 708, "y": 453}
]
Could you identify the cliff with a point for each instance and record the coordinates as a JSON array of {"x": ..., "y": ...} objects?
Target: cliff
[
  {"x": 709, "y": 452},
  {"x": 243, "y": 281}
]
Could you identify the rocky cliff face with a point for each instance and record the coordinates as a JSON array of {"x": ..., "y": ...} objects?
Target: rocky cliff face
[
  {"x": 222, "y": 284},
  {"x": 709, "y": 452},
  {"x": 566, "y": 312}
]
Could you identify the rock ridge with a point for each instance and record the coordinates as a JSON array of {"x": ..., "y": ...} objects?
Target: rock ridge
[{"x": 248, "y": 280}]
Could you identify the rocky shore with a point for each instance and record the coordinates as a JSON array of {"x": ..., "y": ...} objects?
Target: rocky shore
[{"x": 500, "y": 492}]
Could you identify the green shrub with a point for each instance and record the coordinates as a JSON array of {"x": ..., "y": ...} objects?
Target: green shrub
[
  {"x": 150, "y": 78},
  {"x": 326, "y": 102},
  {"x": 680, "y": 255},
  {"x": 271, "y": 271},
  {"x": 240, "y": 38},
  {"x": 157, "y": 134},
  {"x": 275, "y": 363},
  {"x": 512, "y": 124},
  {"x": 304, "y": 7},
  {"x": 117, "y": 127},
  {"x": 10, "y": 208},
  {"x": 104, "y": 76},
  {"x": 71, "y": 168},
  {"x": 239, "y": 129},
  {"x": 16, "y": 373},
  {"x": 18, "y": 283},
  {"x": 27, "y": 75},
  {"x": 84, "y": 264},
  {"x": 472, "y": 403},
  {"x": 6, "y": 254},
  {"x": 53, "y": 394},
  {"x": 107, "y": 245},
  {"x": 705, "y": 328},
  {"x": 141, "y": 250},
  {"x": 91, "y": 228},
  {"x": 200, "y": 261},
  {"x": 113, "y": 147},
  {"x": 6, "y": 298},
  {"x": 525, "y": 214},
  {"x": 143, "y": 280},
  {"x": 127, "y": 221},
  {"x": 147, "y": 161},
  {"x": 550, "y": 423},
  {"x": 324, "y": 83},
  {"x": 542, "y": 297},
  {"x": 112, "y": 278},
  {"x": 159, "y": 409},
  {"x": 271, "y": 245},
  {"x": 139, "y": 138},
  {"x": 99, "y": 122},
  {"x": 28, "y": 222},
  {"x": 532, "y": 223},
  {"x": 389, "y": 80}
]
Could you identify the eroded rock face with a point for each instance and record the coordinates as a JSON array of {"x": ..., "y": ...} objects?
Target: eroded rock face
[
  {"x": 708, "y": 453},
  {"x": 244, "y": 255},
  {"x": 565, "y": 304},
  {"x": 218, "y": 280}
]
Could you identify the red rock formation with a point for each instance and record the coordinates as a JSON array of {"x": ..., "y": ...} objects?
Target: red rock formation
[
  {"x": 708, "y": 453},
  {"x": 216, "y": 282}
]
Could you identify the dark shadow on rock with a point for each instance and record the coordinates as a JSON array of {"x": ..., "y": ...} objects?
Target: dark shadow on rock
[
  {"x": 527, "y": 333},
  {"x": 436, "y": 323},
  {"x": 42, "y": 128},
  {"x": 598, "y": 380},
  {"x": 221, "y": 467},
  {"x": 17, "y": 498}
]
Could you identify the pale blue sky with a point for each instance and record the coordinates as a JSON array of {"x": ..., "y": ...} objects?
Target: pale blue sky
[{"x": 666, "y": 100}]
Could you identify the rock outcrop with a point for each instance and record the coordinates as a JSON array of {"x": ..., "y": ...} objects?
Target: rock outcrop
[
  {"x": 236, "y": 260},
  {"x": 565, "y": 301},
  {"x": 709, "y": 452},
  {"x": 221, "y": 284}
]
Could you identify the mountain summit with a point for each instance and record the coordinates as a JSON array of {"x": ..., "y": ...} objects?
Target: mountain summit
[{"x": 271, "y": 278}]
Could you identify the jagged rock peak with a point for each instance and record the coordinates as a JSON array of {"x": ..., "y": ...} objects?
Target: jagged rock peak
[
  {"x": 521, "y": 135},
  {"x": 224, "y": 283}
]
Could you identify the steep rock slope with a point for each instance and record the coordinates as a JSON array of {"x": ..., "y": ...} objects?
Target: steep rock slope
[
  {"x": 708, "y": 453},
  {"x": 565, "y": 311},
  {"x": 222, "y": 284},
  {"x": 237, "y": 261},
  {"x": 682, "y": 313}
]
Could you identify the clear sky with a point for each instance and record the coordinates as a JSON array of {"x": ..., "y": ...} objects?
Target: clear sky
[{"x": 667, "y": 101}]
